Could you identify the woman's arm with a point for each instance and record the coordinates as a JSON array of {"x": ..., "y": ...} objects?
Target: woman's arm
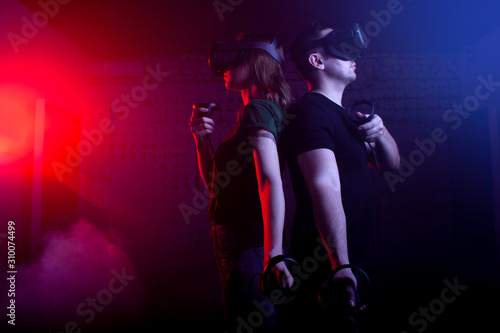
[
  {"x": 202, "y": 128},
  {"x": 271, "y": 197}
]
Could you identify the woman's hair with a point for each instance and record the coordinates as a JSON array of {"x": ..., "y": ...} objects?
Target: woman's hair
[{"x": 269, "y": 78}]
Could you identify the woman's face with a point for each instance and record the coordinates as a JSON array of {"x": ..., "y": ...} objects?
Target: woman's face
[{"x": 238, "y": 78}]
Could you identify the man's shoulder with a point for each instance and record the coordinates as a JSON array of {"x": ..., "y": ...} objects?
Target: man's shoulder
[
  {"x": 314, "y": 102},
  {"x": 314, "y": 107}
]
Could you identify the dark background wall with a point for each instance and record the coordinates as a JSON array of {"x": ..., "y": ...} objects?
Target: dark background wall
[{"x": 126, "y": 255}]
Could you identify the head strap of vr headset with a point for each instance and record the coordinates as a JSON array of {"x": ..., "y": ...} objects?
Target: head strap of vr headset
[
  {"x": 246, "y": 45},
  {"x": 334, "y": 37}
]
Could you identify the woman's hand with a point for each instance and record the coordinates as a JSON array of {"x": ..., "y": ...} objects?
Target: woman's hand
[
  {"x": 285, "y": 279},
  {"x": 201, "y": 127}
]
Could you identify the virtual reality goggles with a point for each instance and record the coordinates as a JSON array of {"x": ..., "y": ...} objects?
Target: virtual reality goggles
[
  {"x": 346, "y": 44},
  {"x": 227, "y": 55}
]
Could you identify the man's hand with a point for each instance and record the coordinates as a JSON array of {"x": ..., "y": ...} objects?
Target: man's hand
[
  {"x": 372, "y": 131},
  {"x": 339, "y": 297},
  {"x": 378, "y": 137}
]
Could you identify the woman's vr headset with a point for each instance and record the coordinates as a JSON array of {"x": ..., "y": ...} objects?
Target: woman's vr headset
[
  {"x": 346, "y": 44},
  {"x": 227, "y": 55}
]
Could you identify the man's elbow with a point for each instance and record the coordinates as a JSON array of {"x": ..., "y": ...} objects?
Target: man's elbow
[{"x": 320, "y": 188}]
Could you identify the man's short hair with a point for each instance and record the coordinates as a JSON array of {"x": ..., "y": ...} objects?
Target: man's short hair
[{"x": 300, "y": 54}]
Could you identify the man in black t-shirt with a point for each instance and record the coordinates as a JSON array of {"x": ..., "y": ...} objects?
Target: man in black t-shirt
[{"x": 327, "y": 154}]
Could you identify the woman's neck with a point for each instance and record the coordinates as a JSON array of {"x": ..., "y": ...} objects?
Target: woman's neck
[{"x": 248, "y": 95}]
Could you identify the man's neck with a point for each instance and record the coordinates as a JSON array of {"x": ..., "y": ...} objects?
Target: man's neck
[{"x": 331, "y": 90}]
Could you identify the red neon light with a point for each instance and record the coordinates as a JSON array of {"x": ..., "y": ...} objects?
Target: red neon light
[{"x": 16, "y": 123}]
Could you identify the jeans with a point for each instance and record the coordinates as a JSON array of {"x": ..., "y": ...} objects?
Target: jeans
[{"x": 245, "y": 308}]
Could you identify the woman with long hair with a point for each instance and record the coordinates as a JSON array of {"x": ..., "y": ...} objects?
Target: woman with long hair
[{"x": 247, "y": 205}]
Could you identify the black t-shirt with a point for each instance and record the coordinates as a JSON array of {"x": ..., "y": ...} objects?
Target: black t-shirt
[
  {"x": 317, "y": 122},
  {"x": 235, "y": 199}
]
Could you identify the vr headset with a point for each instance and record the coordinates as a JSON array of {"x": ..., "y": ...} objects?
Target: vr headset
[
  {"x": 346, "y": 44},
  {"x": 227, "y": 55}
]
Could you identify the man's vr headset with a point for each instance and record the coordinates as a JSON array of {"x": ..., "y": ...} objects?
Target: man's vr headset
[
  {"x": 346, "y": 44},
  {"x": 227, "y": 55}
]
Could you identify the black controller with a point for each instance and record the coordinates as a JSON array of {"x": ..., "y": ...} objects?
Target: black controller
[{"x": 210, "y": 106}]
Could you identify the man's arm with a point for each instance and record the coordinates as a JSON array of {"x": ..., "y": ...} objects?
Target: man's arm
[{"x": 320, "y": 172}]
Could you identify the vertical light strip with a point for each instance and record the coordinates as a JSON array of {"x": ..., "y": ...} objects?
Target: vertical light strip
[
  {"x": 495, "y": 169},
  {"x": 36, "y": 200}
]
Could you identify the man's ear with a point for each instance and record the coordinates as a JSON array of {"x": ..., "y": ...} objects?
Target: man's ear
[{"x": 316, "y": 60}]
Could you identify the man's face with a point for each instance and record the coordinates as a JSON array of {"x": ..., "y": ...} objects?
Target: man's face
[
  {"x": 343, "y": 70},
  {"x": 338, "y": 69}
]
